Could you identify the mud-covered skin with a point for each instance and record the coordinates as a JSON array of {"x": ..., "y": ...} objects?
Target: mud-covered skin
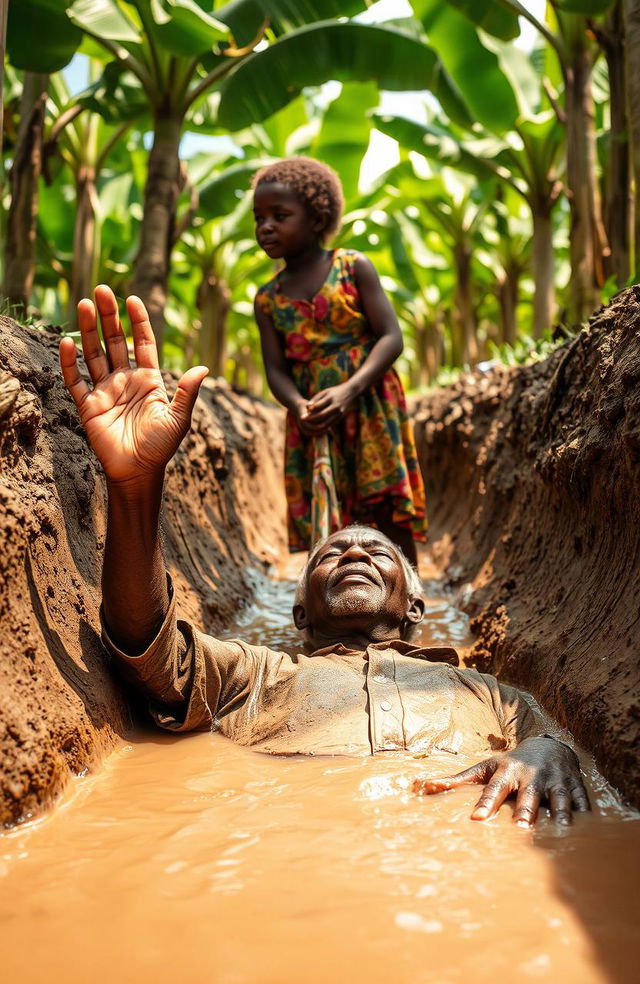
[
  {"x": 533, "y": 482},
  {"x": 539, "y": 770},
  {"x": 60, "y": 710}
]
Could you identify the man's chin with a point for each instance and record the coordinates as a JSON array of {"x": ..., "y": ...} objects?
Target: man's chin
[{"x": 355, "y": 603}]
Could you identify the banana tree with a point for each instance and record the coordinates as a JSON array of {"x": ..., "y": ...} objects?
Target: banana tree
[
  {"x": 527, "y": 162},
  {"x": 84, "y": 142},
  {"x": 452, "y": 209},
  {"x": 631, "y": 25},
  {"x": 60, "y": 40},
  {"x": 117, "y": 211},
  {"x": 572, "y": 42},
  {"x": 165, "y": 52}
]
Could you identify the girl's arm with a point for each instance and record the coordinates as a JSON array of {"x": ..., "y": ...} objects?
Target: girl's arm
[
  {"x": 328, "y": 406},
  {"x": 278, "y": 376}
]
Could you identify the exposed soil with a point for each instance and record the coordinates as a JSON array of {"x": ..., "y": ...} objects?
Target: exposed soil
[
  {"x": 533, "y": 476},
  {"x": 533, "y": 482},
  {"x": 60, "y": 710}
]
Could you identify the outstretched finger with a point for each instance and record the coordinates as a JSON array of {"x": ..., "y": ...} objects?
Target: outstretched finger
[
  {"x": 70, "y": 372},
  {"x": 481, "y": 772},
  {"x": 186, "y": 395},
  {"x": 560, "y": 804},
  {"x": 527, "y": 806},
  {"x": 114, "y": 340},
  {"x": 144, "y": 341},
  {"x": 492, "y": 798},
  {"x": 580, "y": 799},
  {"x": 94, "y": 357}
]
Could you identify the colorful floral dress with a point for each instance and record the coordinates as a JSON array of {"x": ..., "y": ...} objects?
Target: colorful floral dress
[{"x": 373, "y": 453}]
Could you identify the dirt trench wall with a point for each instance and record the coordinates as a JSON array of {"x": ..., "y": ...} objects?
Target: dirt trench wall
[
  {"x": 533, "y": 482},
  {"x": 60, "y": 709}
]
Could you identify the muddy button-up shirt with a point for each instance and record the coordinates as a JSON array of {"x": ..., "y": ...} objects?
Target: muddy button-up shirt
[{"x": 388, "y": 697}]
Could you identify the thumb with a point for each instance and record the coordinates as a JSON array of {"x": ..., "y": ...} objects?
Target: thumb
[{"x": 187, "y": 393}]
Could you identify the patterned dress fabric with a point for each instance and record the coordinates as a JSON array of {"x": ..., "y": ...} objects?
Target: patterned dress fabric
[{"x": 373, "y": 453}]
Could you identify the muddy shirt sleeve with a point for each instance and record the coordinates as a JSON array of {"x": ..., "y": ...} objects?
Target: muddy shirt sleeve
[
  {"x": 516, "y": 718},
  {"x": 186, "y": 675}
]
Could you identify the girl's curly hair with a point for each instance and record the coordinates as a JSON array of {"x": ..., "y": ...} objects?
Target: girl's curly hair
[{"x": 315, "y": 184}]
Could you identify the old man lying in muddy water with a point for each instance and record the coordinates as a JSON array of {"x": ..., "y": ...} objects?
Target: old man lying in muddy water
[{"x": 364, "y": 689}]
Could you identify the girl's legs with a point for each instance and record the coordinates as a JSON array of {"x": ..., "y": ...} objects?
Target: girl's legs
[{"x": 381, "y": 514}]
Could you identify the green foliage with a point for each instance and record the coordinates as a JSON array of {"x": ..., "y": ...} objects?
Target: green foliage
[
  {"x": 268, "y": 80},
  {"x": 58, "y": 38},
  {"x": 488, "y": 151},
  {"x": 525, "y": 350}
]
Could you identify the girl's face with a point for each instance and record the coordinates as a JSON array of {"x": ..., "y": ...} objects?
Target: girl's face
[{"x": 284, "y": 228}]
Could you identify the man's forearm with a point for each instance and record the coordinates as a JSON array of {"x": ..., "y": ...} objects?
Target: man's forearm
[{"x": 134, "y": 584}]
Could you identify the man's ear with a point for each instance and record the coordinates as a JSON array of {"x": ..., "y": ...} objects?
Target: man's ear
[
  {"x": 415, "y": 610},
  {"x": 300, "y": 619}
]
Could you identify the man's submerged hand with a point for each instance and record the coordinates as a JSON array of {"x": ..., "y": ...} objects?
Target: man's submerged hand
[{"x": 538, "y": 769}]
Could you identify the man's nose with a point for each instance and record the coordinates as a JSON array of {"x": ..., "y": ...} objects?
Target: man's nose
[{"x": 355, "y": 552}]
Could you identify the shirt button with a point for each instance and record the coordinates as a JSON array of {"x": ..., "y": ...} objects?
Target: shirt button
[
  {"x": 380, "y": 678},
  {"x": 385, "y": 705}
]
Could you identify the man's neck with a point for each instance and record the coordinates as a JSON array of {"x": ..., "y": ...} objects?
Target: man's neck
[{"x": 356, "y": 639}]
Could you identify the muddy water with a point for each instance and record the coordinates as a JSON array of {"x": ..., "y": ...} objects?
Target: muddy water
[{"x": 193, "y": 860}]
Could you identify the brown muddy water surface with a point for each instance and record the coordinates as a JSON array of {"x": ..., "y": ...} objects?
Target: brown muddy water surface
[{"x": 193, "y": 860}]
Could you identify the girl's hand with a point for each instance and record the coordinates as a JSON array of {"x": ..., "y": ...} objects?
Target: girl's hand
[
  {"x": 329, "y": 406},
  {"x": 132, "y": 426},
  {"x": 306, "y": 424}
]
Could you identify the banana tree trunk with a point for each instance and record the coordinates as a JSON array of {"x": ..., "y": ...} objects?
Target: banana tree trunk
[
  {"x": 151, "y": 267},
  {"x": 508, "y": 299},
  {"x": 617, "y": 192},
  {"x": 20, "y": 247},
  {"x": 84, "y": 236},
  {"x": 631, "y": 13},
  {"x": 417, "y": 366},
  {"x": 245, "y": 374},
  {"x": 542, "y": 263},
  {"x": 4, "y": 8},
  {"x": 587, "y": 241},
  {"x": 465, "y": 310},
  {"x": 434, "y": 349},
  {"x": 214, "y": 301}
]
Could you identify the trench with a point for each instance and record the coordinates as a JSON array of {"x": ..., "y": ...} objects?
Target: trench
[{"x": 189, "y": 858}]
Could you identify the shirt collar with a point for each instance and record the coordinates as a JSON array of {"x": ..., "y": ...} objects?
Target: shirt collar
[{"x": 433, "y": 654}]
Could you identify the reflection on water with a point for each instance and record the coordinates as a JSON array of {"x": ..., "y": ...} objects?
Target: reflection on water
[{"x": 194, "y": 859}]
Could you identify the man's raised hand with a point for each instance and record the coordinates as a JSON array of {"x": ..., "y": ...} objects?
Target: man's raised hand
[{"x": 132, "y": 426}]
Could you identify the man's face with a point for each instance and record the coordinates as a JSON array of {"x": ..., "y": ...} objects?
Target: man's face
[{"x": 356, "y": 583}]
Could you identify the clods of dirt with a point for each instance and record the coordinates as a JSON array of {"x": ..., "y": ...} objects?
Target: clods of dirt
[
  {"x": 60, "y": 709},
  {"x": 533, "y": 484}
]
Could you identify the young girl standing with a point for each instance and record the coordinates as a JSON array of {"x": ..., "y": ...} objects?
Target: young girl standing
[{"x": 329, "y": 339}]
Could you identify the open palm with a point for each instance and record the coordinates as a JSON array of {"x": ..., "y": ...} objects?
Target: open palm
[{"x": 132, "y": 426}]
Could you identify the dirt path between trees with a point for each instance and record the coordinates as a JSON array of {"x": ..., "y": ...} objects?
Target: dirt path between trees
[{"x": 533, "y": 482}]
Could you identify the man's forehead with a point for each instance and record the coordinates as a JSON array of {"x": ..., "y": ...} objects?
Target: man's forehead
[{"x": 363, "y": 537}]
